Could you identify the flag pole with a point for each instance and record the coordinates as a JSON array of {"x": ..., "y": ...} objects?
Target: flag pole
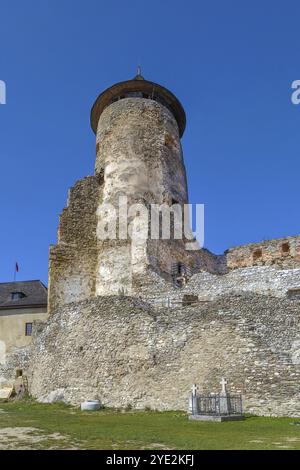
[{"x": 16, "y": 271}]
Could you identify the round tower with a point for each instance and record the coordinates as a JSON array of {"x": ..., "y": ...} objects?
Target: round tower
[{"x": 138, "y": 126}]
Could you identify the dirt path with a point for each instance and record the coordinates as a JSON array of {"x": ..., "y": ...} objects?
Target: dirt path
[{"x": 23, "y": 438}]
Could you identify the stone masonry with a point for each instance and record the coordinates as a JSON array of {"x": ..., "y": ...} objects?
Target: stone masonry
[
  {"x": 126, "y": 352},
  {"x": 282, "y": 252},
  {"x": 138, "y": 156},
  {"x": 121, "y": 327}
]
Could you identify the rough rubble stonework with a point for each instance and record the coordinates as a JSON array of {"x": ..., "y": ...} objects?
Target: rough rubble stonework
[
  {"x": 72, "y": 262},
  {"x": 263, "y": 280},
  {"x": 138, "y": 155},
  {"x": 125, "y": 351},
  {"x": 16, "y": 358},
  {"x": 282, "y": 252},
  {"x": 120, "y": 328}
]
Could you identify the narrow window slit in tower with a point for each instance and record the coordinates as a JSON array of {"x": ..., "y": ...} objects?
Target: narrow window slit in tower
[
  {"x": 257, "y": 254},
  {"x": 169, "y": 141},
  {"x": 285, "y": 247},
  {"x": 101, "y": 176}
]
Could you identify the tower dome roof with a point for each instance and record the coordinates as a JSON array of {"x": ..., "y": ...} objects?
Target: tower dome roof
[{"x": 148, "y": 89}]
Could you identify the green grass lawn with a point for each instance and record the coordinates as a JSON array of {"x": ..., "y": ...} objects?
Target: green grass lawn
[{"x": 28, "y": 424}]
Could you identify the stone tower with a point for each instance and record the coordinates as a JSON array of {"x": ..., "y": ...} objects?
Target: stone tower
[{"x": 138, "y": 126}]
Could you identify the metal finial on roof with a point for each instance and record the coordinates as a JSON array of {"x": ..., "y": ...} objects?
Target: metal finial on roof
[{"x": 139, "y": 73}]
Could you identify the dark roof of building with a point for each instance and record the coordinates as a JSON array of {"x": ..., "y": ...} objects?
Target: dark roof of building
[
  {"x": 138, "y": 84},
  {"x": 34, "y": 294}
]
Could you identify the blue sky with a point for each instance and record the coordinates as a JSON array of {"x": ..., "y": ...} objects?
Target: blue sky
[{"x": 231, "y": 64}]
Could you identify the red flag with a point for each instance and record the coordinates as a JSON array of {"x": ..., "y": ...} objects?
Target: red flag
[{"x": 17, "y": 268}]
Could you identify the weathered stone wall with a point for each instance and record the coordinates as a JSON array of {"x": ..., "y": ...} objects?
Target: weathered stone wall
[
  {"x": 138, "y": 155},
  {"x": 73, "y": 261},
  {"x": 16, "y": 358},
  {"x": 264, "y": 280},
  {"x": 205, "y": 286},
  {"x": 281, "y": 252},
  {"x": 233, "y": 317},
  {"x": 126, "y": 352},
  {"x": 138, "y": 148}
]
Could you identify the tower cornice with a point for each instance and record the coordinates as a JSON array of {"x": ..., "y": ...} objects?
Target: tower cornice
[{"x": 151, "y": 90}]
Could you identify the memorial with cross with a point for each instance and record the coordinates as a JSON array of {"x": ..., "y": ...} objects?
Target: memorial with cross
[{"x": 215, "y": 407}]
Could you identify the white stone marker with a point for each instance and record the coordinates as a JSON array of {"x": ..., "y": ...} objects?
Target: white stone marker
[
  {"x": 224, "y": 399},
  {"x": 223, "y": 384},
  {"x": 193, "y": 400}
]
